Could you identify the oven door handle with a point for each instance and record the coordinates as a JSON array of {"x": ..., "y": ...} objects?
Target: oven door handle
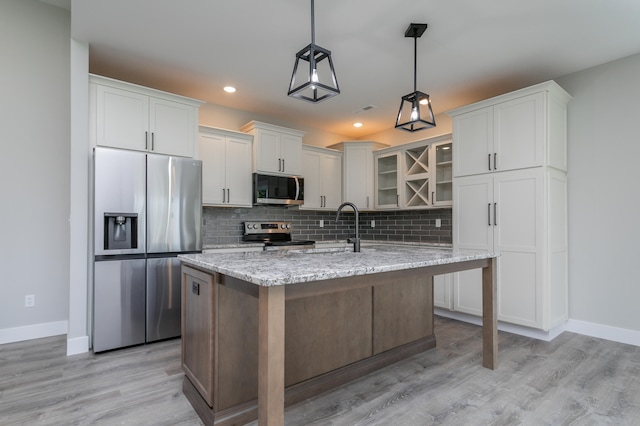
[{"x": 297, "y": 188}]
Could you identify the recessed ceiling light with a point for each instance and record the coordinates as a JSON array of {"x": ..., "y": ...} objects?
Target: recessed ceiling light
[
  {"x": 358, "y": 124},
  {"x": 229, "y": 89}
]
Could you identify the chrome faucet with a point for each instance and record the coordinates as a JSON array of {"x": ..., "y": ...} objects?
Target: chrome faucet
[{"x": 356, "y": 240}]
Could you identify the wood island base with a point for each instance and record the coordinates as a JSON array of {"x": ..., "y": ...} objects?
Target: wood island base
[
  {"x": 250, "y": 350},
  {"x": 247, "y": 412}
]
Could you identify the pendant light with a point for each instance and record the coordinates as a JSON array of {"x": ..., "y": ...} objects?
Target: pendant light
[
  {"x": 415, "y": 108},
  {"x": 319, "y": 81}
]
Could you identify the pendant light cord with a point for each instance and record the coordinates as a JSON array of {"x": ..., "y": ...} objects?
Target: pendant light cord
[
  {"x": 313, "y": 29},
  {"x": 415, "y": 62}
]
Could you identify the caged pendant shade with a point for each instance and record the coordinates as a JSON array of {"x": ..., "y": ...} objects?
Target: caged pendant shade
[
  {"x": 415, "y": 108},
  {"x": 313, "y": 71}
]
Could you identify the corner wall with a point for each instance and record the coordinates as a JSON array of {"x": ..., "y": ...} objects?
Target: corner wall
[
  {"x": 34, "y": 175},
  {"x": 604, "y": 202}
]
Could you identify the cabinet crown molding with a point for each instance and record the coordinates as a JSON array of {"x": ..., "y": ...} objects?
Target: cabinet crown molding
[
  {"x": 226, "y": 132},
  {"x": 250, "y": 126},
  {"x": 123, "y": 85},
  {"x": 551, "y": 87}
]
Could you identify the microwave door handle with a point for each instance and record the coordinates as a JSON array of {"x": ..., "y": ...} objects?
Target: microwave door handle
[{"x": 297, "y": 189}]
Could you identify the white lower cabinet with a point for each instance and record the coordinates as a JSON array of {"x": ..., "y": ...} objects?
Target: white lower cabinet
[
  {"x": 442, "y": 291},
  {"x": 226, "y": 167},
  {"x": 322, "y": 171},
  {"x": 522, "y": 215}
]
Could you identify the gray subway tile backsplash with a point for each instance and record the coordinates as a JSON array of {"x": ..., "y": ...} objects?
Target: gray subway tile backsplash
[{"x": 223, "y": 225}]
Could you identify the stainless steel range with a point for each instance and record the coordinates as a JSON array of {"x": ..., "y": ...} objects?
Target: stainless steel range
[{"x": 274, "y": 235}]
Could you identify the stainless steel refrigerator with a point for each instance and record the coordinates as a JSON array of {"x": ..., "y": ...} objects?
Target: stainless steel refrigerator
[{"x": 148, "y": 209}]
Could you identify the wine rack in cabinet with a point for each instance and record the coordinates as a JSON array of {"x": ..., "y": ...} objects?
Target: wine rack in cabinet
[{"x": 416, "y": 177}]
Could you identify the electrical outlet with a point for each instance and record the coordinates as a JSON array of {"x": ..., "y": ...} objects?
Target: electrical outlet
[
  {"x": 438, "y": 223},
  {"x": 29, "y": 301},
  {"x": 373, "y": 223},
  {"x": 321, "y": 223}
]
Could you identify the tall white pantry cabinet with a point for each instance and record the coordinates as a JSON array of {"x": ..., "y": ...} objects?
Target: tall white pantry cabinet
[{"x": 510, "y": 196}]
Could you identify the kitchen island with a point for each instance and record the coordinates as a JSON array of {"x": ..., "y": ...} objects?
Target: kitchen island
[{"x": 333, "y": 314}]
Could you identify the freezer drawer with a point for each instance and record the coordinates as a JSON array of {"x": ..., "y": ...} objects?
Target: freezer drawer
[
  {"x": 163, "y": 298},
  {"x": 119, "y": 304}
]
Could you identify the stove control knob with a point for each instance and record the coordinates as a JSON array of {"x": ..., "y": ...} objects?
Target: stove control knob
[
  {"x": 288, "y": 226},
  {"x": 282, "y": 226}
]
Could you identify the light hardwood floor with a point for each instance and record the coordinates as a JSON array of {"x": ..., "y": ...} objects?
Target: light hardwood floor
[{"x": 573, "y": 380}]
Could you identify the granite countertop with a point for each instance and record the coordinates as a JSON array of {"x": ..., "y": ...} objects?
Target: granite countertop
[{"x": 270, "y": 268}]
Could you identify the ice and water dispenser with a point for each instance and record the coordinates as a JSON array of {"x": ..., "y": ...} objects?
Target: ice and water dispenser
[{"x": 120, "y": 231}]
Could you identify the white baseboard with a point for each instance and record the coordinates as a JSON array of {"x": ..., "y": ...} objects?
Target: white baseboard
[
  {"x": 509, "y": 328},
  {"x": 615, "y": 334},
  {"x": 35, "y": 331},
  {"x": 621, "y": 335},
  {"x": 77, "y": 345}
]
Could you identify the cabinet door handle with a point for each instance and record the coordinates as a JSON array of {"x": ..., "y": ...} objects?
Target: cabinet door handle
[
  {"x": 153, "y": 141},
  {"x": 398, "y": 200},
  {"x": 489, "y": 213},
  {"x": 489, "y": 160},
  {"x": 228, "y": 195},
  {"x": 495, "y": 214},
  {"x": 223, "y": 196},
  {"x": 146, "y": 140},
  {"x": 495, "y": 161},
  {"x": 283, "y": 164},
  {"x": 433, "y": 194}
]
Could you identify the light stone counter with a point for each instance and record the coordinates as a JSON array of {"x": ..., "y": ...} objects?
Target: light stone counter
[{"x": 273, "y": 268}]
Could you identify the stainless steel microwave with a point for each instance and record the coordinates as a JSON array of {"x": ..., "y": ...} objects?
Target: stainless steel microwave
[{"x": 282, "y": 190}]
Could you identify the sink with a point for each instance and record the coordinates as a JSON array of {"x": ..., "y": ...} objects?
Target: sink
[{"x": 321, "y": 250}]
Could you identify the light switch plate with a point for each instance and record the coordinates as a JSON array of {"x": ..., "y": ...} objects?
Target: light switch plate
[{"x": 438, "y": 223}]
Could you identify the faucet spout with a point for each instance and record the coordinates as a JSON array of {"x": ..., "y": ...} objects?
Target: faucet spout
[{"x": 356, "y": 240}]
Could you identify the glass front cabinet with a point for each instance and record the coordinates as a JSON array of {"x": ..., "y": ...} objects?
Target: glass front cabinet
[{"x": 415, "y": 175}]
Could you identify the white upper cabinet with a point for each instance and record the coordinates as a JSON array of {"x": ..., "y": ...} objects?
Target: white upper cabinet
[
  {"x": 133, "y": 117},
  {"x": 416, "y": 175},
  {"x": 514, "y": 131},
  {"x": 226, "y": 167},
  {"x": 388, "y": 179},
  {"x": 357, "y": 172},
  {"x": 276, "y": 150},
  {"x": 322, "y": 171}
]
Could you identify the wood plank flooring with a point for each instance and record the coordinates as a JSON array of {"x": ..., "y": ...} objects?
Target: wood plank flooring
[{"x": 573, "y": 380}]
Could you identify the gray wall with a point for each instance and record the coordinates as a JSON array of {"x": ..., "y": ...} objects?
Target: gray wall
[
  {"x": 34, "y": 175},
  {"x": 604, "y": 193}
]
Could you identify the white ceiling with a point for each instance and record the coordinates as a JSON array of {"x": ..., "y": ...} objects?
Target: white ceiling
[{"x": 471, "y": 50}]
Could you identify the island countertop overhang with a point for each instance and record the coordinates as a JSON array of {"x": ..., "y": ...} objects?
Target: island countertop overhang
[{"x": 273, "y": 268}]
